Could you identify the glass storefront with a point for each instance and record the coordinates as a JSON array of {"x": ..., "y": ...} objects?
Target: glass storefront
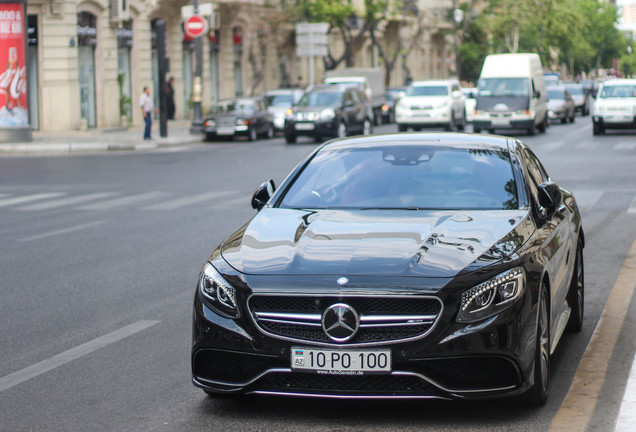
[{"x": 86, "y": 41}]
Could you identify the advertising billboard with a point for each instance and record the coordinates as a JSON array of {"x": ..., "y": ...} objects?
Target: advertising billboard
[{"x": 13, "y": 80}]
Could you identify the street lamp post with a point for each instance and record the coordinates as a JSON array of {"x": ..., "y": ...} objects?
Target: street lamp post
[
  {"x": 197, "y": 120},
  {"x": 458, "y": 16}
]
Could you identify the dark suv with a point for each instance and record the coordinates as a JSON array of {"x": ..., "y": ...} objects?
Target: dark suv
[{"x": 327, "y": 111}]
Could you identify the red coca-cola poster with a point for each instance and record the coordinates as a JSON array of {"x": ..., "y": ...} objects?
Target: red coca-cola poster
[{"x": 13, "y": 81}]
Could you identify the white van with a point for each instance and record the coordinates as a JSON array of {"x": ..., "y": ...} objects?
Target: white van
[{"x": 511, "y": 94}]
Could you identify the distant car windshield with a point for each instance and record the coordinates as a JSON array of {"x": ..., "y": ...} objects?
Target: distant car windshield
[
  {"x": 245, "y": 106},
  {"x": 576, "y": 91},
  {"x": 618, "y": 91},
  {"x": 556, "y": 94},
  {"x": 416, "y": 90},
  {"x": 321, "y": 99},
  {"x": 405, "y": 177},
  {"x": 503, "y": 87},
  {"x": 279, "y": 100}
]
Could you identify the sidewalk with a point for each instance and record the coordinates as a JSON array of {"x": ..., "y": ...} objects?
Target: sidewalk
[{"x": 100, "y": 140}]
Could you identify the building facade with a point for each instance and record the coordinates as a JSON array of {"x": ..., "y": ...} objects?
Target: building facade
[{"x": 88, "y": 60}]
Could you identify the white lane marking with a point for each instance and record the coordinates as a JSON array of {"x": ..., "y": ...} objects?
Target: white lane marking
[
  {"x": 587, "y": 199},
  {"x": 632, "y": 207},
  {"x": 553, "y": 145},
  {"x": 39, "y": 368},
  {"x": 28, "y": 198},
  {"x": 627, "y": 416},
  {"x": 62, "y": 231},
  {"x": 119, "y": 202},
  {"x": 236, "y": 202},
  {"x": 189, "y": 200},
  {"x": 66, "y": 201},
  {"x": 625, "y": 145}
]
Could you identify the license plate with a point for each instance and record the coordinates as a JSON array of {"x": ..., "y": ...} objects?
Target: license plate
[
  {"x": 618, "y": 119},
  {"x": 225, "y": 131},
  {"x": 500, "y": 122},
  {"x": 304, "y": 126},
  {"x": 341, "y": 362}
]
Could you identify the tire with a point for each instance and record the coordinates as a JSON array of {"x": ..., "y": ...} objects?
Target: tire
[
  {"x": 252, "y": 135},
  {"x": 290, "y": 139},
  {"x": 270, "y": 132},
  {"x": 342, "y": 130},
  {"x": 544, "y": 125},
  {"x": 476, "y": 130},
  {"x": 367, "y": 129},
  {"x": 573, "y": 117},
  {"x": 402, "y": 128},
  {"x": 450, "y": 127},
  {"x": 532, "y": 130},
  {"x": 462, "y": 126},
  {"x": 564, "y": 120},
  {"x": 210, "y": 137},
  {"x": 537, "y": 395},
  {"x": 597, "y": 129},
  {"x": 576, "y": 295}
]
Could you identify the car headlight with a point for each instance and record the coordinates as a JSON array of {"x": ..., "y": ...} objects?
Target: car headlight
[
  {"x": 327, "y": 114},
  {"x": 442, "y": 104},
  {"x": 289, "y": 113},
  {"x": 218, "y": 293},
  {"x": 210, "y": 123},
  {"x": 241, "y": 122},
  {"x": 492, "y": 297}
]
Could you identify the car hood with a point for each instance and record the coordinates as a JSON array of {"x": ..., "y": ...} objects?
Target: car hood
[
  {"x": 617, "y": 102},
  {"x": 420, "y": 101},
  {"x": 556, "y": 103},
  {"x": 374, "y": 242}
]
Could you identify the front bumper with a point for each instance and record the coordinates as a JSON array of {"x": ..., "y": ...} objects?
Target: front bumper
[
  {"x": 488, "y": 359},
  {"x": 227, "y": 131},
  {"x": 503, "y": 124},
  {"x": 423, "y": 118},
  {"x": 615, "y": 121},
  {"x": 311, "y": 129}
]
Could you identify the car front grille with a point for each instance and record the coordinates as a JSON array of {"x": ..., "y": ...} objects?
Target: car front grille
[{"x": 381, "y": 319}]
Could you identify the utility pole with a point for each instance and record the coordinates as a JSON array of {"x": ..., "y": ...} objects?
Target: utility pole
[{"x": 197, "y": 120}]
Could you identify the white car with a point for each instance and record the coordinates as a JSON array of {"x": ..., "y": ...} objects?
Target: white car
[
  {"x": 435, "y": 103},
  {"x": 615, "y": 106},
  {"x": 278, "y": 102}
]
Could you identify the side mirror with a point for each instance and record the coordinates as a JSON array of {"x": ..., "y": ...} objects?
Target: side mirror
[
  {"x": 456, "y": 94},
  {"x": 550, "y": 197},
  {"x": 537, "y": 94},
  {"x": 349, "y": 104},
  {"x": 262, "y": 194}
]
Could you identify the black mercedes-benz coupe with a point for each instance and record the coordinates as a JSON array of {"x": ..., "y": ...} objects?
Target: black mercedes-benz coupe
[{"x": 395, "y": 266}]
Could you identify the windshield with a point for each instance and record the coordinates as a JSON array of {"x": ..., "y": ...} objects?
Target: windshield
[
  {"x": 618, "y": 91},
  {"x": 556, "y": 94},
  {"x": 576, "y": 91},
  {"x": 503, "y": 87},
  {"x": 321, "y": 99},
  {"x": 245, "y": 106},
  {"x": 281, "y": 100},
  {"x": 405, "y": 177},
  {"x": 427, "y": 91}
]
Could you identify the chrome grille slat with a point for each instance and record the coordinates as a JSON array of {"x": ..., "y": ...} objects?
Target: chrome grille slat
[{"x": 382, "y": 319}]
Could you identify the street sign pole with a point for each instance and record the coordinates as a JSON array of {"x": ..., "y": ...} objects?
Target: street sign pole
[{"x": 197, "y": 120}]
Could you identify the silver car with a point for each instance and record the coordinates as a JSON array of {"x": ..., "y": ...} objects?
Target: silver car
[{"x": 278, "y": 102}]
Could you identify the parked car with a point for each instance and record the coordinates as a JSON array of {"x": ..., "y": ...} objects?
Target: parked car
[
  {"x": 393, "y": 95},
  {"x": 471, "y": 101},
  {"x": 580, "y": 97},
  {"x": 395, "y": 266},
  {"x": 560, "y": 104},
  {"x": 278, "y": 102},
  {"x": 243, "y": 116},
  {"x": 434, "y": 103},
  {"x": 327, "y": 111},
  {"x": 615, "y": 106}
]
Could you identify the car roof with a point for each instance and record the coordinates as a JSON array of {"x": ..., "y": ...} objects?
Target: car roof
[
  {"x": 432, "y": 82},
  {"x": 330, "y": 87},
  {"x": 620, "y": 81},
  {"x": 281, "y": 91},
  {"x": 453, "y": 140}
]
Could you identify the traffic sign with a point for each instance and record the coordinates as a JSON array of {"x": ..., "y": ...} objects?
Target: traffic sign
[
  {"x": 195, "y": 26},
  {"x": 312, "y": 28},
  {"x": 312, "y": 39},
  {"x": 312, "y": 50}
]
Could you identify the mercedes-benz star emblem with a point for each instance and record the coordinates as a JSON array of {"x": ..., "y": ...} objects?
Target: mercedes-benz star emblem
[
  {"x": 340, "y": 322},
  {"x": 342, "y": 280}
]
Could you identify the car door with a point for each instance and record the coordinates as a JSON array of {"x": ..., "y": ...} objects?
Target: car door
[
  {"x": 558, "y": 241},
  {"x": 459, "y": 101},
  {"x": 349, "y": 110}
]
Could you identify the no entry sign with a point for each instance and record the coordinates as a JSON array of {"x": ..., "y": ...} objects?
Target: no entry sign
[{"x": 195, "y": 26}]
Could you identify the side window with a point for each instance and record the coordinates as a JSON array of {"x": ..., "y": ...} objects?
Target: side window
[
  {"x": 355, "y": 96},
  {"x": 347, "y": 98}
]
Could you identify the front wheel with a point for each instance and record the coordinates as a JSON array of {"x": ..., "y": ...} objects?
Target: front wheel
[
  {"x": 290, "y": 138},
  {"x": 576, "y": 295},
  {"x": 538, "y": 394},
  {"x": 342, "y": 130},
  {"x": 252, "y": 135},
  {"x": 366, "y": 127},
  {"x": 402, "y": 128},
  {"x": 597, "y": 129}
]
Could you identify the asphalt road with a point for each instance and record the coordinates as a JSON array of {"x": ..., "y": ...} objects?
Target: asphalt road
[{"x": 99, "y": 258}]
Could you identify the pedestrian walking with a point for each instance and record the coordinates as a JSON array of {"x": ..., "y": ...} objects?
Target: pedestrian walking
[
  {"x": 170, "y": 99},
  {"x": 147, "y": 108}
]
